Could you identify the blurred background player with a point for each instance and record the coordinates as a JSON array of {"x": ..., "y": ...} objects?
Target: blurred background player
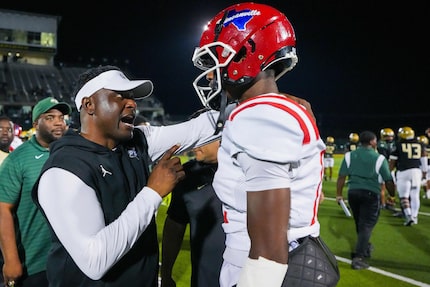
[
  {"x": 385, "y": 146},
  {"x": 410, "y": 161},
  {"x": 427, "y": 133},
  {"x": 426, "y": 181},
  {"x": 328, "y": 158},
  {"x": 16, "y": 142},
  {"x": 352, "y": 144}
]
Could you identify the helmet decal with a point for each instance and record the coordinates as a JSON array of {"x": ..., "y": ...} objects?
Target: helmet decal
[{"x": 240, "y": 18}]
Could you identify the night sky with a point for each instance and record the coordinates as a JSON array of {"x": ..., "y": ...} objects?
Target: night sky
[{"x": 362, "y": 64}]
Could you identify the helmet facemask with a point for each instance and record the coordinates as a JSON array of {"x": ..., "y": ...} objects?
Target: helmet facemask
[{"x": 205, "y": 58}]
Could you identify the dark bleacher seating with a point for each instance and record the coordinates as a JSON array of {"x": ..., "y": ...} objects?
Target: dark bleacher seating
[{"x": 25, "y": 84}]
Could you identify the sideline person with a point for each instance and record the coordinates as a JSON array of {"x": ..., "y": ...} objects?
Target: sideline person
[
  {"x": 6, "y": 136},
  {"x": 270, "y": 169},
  {"x": 364, "y": 167},
  {"x": 194, "y": 201},
  {"x": 25, "y": 236},
  {"x": 96, "y": 189}
]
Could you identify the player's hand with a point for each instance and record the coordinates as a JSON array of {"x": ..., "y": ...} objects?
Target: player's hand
[
  {"x": 322, "y": 197},
  {"x": 391, "y": 200},
  {"x": 12, "y": 272},
  {"x": 166, "y": 173},
  {"x": 339, "y": 199}
]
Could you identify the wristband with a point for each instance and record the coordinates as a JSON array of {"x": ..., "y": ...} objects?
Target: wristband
[{"x": 262, "y": 272}]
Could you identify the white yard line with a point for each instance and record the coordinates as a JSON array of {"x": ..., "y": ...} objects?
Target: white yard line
[
  {"x": 383, "y": 272},
  {"x": 388, "y": 274},
  {"x": 334, "y": 199}
]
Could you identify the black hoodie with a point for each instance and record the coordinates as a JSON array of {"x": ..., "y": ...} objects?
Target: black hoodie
[{"x": 116, "y": 176}]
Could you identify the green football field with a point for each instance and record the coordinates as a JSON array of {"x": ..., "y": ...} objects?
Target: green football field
[{"x": 401, "y": 256}]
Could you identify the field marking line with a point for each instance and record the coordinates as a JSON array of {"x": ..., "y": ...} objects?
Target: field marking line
[
  {"x": 388, "y": 274},
  {"x": 383, "y": 272},
  {"x": 419, "y": 212}
]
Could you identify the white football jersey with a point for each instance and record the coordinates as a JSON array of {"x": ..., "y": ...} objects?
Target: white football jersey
[{"x": 282, "y": 140}]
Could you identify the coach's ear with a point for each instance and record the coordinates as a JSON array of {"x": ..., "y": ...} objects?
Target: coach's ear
[{"x": 88, "y": 105}]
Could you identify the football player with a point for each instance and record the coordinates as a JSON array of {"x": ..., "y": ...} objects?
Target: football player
[
  {"x": 385, "y": 146},
  {"x": 328, "y": 158},
  {"x": 410, "y": 161},
  {"x": 353, "y": 141},
  {"x": 426, "y": 181},
  {"x": 270, "y": 170}
]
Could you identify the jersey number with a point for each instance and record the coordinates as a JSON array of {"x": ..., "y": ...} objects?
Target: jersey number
[{"x": 413, "y": 150}]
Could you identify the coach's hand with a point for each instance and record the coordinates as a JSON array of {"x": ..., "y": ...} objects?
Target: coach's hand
[
  {"x": 302, "y": 102},
  {"x": 166, "y": 173}
]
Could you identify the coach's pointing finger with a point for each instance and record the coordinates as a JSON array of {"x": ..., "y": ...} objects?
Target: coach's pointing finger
[{"x": 166, "y": 173}]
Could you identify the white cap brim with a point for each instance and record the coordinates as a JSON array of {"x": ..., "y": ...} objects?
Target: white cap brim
[{"x": 114, "y": 80}]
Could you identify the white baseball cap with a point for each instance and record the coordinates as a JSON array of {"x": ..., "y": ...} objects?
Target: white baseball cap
[{"x": 114, "y": 80}]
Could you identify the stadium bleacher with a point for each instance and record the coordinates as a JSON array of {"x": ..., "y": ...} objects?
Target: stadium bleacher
[
  {"x": 29, "y": 83},
  {"x": 23, "y": 84}
]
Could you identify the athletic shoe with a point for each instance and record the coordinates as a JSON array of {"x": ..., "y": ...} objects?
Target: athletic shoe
[
  {"x": 415, "y": 220},
  {"x": 409, "y": 221},
  {"x": 359, "y": 263},
  {"x": 398, "y": 214}
]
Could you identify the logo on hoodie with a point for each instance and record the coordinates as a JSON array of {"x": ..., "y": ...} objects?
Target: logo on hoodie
[{"x": 104, "y": 171}]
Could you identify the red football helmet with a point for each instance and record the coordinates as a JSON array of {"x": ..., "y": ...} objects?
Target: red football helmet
[{"x": 240, "y": 42}]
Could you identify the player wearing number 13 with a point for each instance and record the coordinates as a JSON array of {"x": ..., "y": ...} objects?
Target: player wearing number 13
[{"x": 409, "y": 159}]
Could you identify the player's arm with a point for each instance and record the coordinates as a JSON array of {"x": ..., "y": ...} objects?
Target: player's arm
[
  {"x": 424, "y": 161},
  {"x": 268, "y": 215},
  {"x": 341, "y": 179},
  {"x": 268, "y": 211},
  {"x": 12, "y": 268}
]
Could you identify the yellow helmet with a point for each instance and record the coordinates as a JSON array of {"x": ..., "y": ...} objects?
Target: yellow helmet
[
  {"x": 423, "y": 139},
  {"x": 386, "y": 132},
  {"x": 27, "y": 134},
  {"x": 354, "y": 137},
  {"x": 330, "y": 140},
  {"x": 406, "y": 133}
]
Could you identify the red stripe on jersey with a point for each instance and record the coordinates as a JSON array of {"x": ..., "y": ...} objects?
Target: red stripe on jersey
[
  {"x": 225, "y": 217},
  {"x": 318, "y": 196},
  {"x": 306, "y": 137}
]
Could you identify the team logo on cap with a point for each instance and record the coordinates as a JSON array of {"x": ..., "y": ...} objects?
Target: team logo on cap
[{"x": 240, "y": 18}]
